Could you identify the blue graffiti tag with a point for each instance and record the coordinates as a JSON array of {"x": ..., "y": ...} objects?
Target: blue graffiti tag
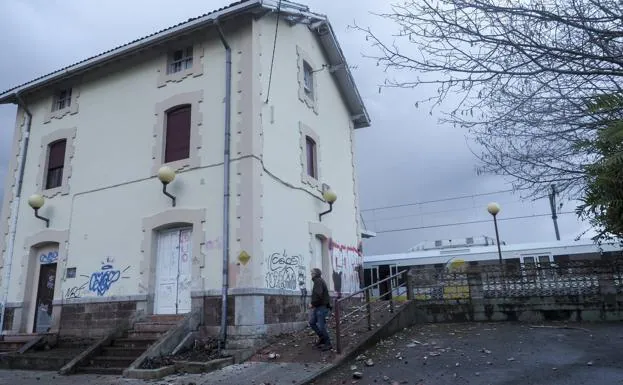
[
  {"x": 48, "y": 258},
  {"x": 101, "y": 281}
]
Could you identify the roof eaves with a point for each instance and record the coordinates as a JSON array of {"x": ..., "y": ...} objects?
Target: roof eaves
[
  {"x": 344, "y": 76},
  {"x": 8, "y": 96}
]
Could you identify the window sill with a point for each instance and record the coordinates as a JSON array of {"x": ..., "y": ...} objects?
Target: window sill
[{"x": 52, "y": 192}]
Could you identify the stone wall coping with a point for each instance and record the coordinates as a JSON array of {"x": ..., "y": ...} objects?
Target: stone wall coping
[{"x": 246, "y": 291}]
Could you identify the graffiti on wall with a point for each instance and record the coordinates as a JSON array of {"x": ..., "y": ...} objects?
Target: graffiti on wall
[
  {"x": 48, "y": 258},
  {"x": 100, "y": 281},
  {"x": 75, "y": 291},
  {"x": 347, "y": 262},
  {"x": 285, "y": 271}
]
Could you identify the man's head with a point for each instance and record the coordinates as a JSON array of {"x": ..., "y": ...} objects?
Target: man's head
[{"x": 315, "y": 272}]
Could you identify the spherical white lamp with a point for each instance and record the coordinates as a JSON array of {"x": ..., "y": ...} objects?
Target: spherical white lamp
[
  {"x": 166, "y": 174},
  {"x": 36, "y": 201},
  {"x": 493, "y": 208},
  {"x": 329, "y": 196}
]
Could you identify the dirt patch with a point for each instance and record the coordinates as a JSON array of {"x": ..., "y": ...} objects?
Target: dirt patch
[
  {"x": 299, "y": 347},
  {"x": 203, "y": 350}
]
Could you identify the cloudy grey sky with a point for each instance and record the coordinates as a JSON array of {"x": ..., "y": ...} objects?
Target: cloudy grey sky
[{"x": 405, "y": 157}]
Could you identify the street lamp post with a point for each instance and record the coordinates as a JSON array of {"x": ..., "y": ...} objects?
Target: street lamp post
[{"x": 493, "y": 208}]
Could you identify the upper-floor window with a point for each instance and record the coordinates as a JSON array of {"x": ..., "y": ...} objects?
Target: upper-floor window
[
  {"x": 308, "y": 79},
  {"x": 177, "y": 137},
  {"x": 56, "y": 164},
  {"x": 312, "y": 164},
  {"x": 180, "y": 60},
  {"x": 62, "y": 100}
]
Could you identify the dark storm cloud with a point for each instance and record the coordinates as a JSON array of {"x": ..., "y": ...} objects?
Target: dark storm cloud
[{"x": 406, "y": 156}]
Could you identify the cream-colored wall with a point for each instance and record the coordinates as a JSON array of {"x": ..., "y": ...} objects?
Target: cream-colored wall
[
  {"x": 290, "y": 205},
  {"x": 112, "y": 187}
]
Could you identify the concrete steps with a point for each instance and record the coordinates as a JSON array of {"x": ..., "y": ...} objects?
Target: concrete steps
[
  {"x": 121, "y": 352},
  {"x": 12, "y": 343}
]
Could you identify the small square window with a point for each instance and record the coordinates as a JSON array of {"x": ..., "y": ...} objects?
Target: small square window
[
  {"x": 308, "y": 79},
  {"x": 312, "y": 166},
  {"x": 71, "y": 272},
  {"x": 180, "y": 60},
  {"x": 62, "y": 100}
]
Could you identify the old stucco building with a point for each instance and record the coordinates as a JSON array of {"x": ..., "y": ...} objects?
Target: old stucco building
[{"x": 91, "y": 138}]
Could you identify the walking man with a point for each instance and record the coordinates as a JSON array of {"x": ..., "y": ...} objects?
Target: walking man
[{"x": 320, "y": 305}]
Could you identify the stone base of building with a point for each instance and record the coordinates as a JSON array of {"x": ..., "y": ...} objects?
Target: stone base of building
[{"x": 252, "y": 314}]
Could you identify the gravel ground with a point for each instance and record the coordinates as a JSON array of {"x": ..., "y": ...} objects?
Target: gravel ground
[{"x": 496, "y": 354}]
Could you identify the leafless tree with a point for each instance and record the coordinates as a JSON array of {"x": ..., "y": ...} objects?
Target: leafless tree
[{"x": 523, "y": 71}]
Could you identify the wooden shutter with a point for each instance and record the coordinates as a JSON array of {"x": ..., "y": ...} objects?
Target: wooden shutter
[
  {"x": 56, "y": 156},
  {"x": 56, "y": 164},
  {"x": 311, "y": 156},
  {"x": 177, "y": 134}
]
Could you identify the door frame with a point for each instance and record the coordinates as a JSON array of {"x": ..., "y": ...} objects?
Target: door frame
[
  {"x": 34, "y": 311},
  {"x": 23, "y": 317},
  {"x": 171, "y": 219},
  {"x": 177, "y": 280}
]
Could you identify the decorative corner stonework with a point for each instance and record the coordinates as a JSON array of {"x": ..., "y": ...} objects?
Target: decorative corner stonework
[
  {"x": 71, "y": 109},
  {"x": 194, "y": 99},
  {"x": 68, "y": 134},
  {"x": 306, "y": 131},
  {"x": 195, "y": 71},
  {"x": 351, "y": 127},
  {"x": 10, "y": 180},
  {"x": 310, "y": 101}
]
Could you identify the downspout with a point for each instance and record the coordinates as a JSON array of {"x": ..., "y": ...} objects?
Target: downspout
[
  {"x": 17, "y": 192},
  {"x": 226, "y": 182}
]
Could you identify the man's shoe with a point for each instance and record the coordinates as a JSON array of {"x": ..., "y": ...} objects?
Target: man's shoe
[{"x": 326, "y": 348}]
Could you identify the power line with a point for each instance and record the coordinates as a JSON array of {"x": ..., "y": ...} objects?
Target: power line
[
  {"x": 426, "y": 213},
  {"x": 437, "y": 200},
  {"x": 272, "y": 62},
  {"x": 469, "y": 223}
]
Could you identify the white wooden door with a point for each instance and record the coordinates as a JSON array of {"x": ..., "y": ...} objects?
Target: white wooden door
[{"x": 173, "y": 275}]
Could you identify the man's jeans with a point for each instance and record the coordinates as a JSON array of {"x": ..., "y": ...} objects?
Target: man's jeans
[{"x": 318, "y": 323}]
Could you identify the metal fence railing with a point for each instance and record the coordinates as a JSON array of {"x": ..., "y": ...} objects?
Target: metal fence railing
[
  {"x": 517, "y": 280},
  {"x": 357, "y": 310}
]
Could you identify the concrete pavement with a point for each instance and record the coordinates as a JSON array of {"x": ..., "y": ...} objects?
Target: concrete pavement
[{"x": 496, "y": 354}]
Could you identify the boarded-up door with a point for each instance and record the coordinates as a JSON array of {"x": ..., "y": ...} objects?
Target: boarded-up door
[
  {"x": 45, "y": 296},
  {"x": 173, "y": 272}
]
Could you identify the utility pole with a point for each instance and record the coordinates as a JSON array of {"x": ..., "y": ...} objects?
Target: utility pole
[{"x": 552, "y": 204}]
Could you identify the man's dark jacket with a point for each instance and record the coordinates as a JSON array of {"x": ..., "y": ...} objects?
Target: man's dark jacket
[{"x": 320, "y": 293}]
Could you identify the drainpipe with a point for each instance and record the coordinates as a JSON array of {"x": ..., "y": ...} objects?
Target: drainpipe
[
  {"x": 226, "y": 160},
  {"x": 17, "y": 193}
]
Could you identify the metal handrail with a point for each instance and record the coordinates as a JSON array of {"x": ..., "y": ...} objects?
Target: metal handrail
[
  {"x": 371, "y": 286},
  {"x": 366, "y": 290}
]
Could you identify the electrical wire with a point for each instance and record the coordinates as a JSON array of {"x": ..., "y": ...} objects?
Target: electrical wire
[
  {"x": 437, "y": 200},
  {"x": 468, "y": 223},
  {"x": 272, "y": 62}
]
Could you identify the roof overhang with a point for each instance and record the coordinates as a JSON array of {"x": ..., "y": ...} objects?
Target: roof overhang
[
  {"x": 295, "y": 13},
  {"x": 365, "y": 234}
]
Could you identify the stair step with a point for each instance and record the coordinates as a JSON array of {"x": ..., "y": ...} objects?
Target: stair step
[
  {"x": 117, "y": 351},
  {"x": 133, "y": 342},
  {"x": 100, "y": 370},
  {"x": 23, "y": 338},
  {"x": 154, "y": 335},
  {"x": 165, "y": 318},
  {"x": 153, "y": 326},
  {"x": 111, "y": 361},
  {"x": 10, "y": 346}
]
